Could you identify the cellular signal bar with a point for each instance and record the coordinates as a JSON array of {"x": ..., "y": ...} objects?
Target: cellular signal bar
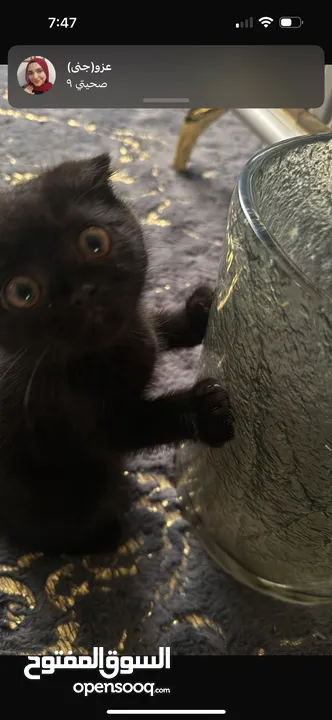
[{"x": 248, "y": 23}]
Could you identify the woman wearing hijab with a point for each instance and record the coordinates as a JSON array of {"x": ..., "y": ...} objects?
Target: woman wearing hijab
[{"x": 37, "y": 77}]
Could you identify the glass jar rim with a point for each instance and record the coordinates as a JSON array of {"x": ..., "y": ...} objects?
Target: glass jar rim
[{"x": 247, "y": 199}]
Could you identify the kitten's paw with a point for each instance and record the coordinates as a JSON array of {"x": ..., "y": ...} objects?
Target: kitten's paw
[
  {"x": 213, "y": 417},
  {"x": 198, "y": 307}
]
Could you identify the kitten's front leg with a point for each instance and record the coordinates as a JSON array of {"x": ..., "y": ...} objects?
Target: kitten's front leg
[
  {"x": 185, "y": 327},
  {"x": 200, "y": 413}
]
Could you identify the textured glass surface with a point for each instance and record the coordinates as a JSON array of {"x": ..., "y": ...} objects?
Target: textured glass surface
[{"x": 262, "y": 504}]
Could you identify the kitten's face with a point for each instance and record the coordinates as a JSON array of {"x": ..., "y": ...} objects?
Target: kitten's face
[{"x": 72, "y": 261}]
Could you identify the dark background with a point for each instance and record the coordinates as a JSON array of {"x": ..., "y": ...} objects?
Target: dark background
[
  {"x": 123, "y": 26},
  {"x": 256, "y": 688}
]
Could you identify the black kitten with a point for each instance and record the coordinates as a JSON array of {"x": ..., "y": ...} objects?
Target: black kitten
[{"x": 78, "y": 352}]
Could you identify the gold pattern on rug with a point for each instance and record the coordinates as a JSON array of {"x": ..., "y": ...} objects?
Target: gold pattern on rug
[{"x": 62, "y": 590}]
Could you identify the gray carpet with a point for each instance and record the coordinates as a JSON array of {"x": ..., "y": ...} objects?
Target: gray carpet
[{"x": 161, "y": 588}]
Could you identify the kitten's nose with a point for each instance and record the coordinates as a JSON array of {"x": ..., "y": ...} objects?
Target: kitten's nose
[{"x": 83, "y": 294}]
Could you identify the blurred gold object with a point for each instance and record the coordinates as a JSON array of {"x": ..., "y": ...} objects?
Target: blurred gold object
[
  {"x": 195, "y": 122},
  {"x": 271, "y": 125}
]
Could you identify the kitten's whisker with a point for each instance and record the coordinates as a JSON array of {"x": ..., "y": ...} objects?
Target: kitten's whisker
[
  {"x": 10, "y": 364},
  {"x": 27, "y": 393},
  {"x": 135, "y": 333}
]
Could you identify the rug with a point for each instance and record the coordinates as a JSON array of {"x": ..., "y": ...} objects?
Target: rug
[{"x": 160, "y": 588}]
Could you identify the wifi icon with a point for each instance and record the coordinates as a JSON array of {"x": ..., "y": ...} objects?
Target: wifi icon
[{"x": 265, "y": 21}]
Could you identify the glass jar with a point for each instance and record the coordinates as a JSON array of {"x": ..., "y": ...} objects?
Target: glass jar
[{"x": 262, "y": 504}]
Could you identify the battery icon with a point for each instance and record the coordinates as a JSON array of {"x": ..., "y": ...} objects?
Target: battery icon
[{"x": 290, "y": 22}]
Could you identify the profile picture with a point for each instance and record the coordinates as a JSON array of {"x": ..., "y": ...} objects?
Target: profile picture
[{"x": 36, "y": 75}]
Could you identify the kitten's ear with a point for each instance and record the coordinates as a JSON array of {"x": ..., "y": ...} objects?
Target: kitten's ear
[
  {"x": 97, "y": 169},
  {"x": 87, "y": 174}
]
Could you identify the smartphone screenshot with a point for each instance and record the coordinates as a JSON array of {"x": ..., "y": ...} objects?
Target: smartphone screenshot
[{"x": 165, "y": 363}]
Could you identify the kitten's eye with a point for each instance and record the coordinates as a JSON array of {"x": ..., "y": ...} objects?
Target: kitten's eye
[
  {"x": 22, "y": 292},
  {"x": 94, "y": 242}
]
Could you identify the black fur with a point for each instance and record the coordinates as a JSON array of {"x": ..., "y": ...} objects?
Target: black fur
[{"x": 76, "y": 367}]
